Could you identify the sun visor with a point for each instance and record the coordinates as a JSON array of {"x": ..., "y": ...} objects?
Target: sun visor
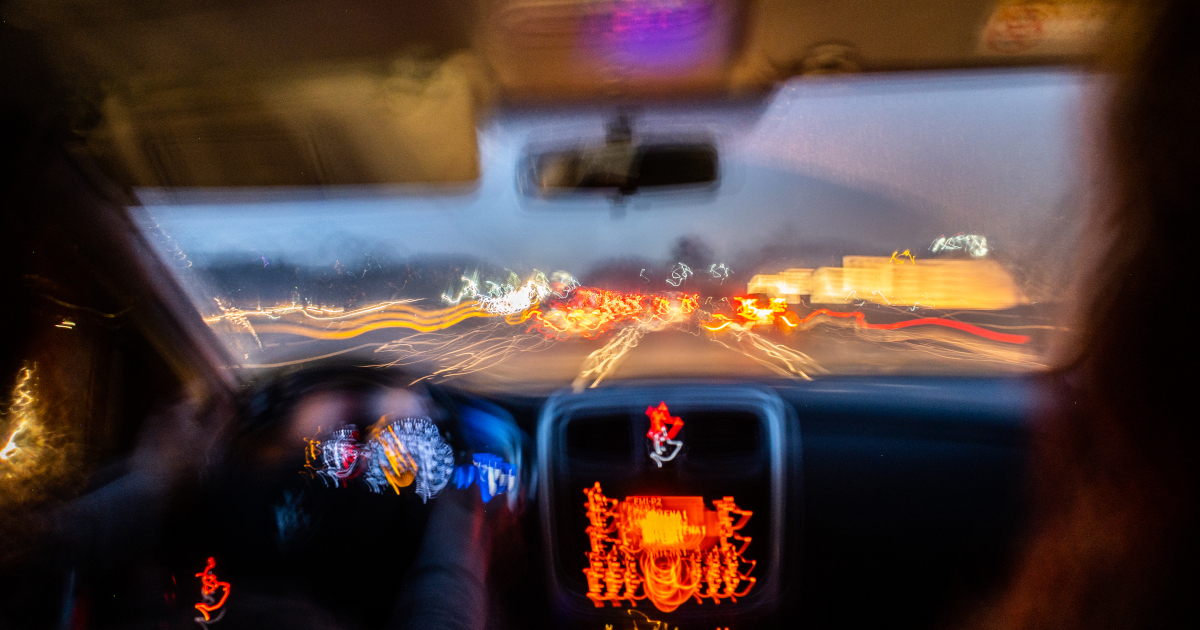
[{"x": 411, "y": 123}]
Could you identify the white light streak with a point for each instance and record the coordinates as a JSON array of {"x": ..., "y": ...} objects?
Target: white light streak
[
  {"x": 512, "y": 298},
  {"x": 719, "y": 271},
  {"x": 777, "y": 357},
  {"x": 601, "y": 363},
  {"x": 974, "y": 244},
  {"x": 452, "y": 355},
  {"x": 679, "y": 273}
]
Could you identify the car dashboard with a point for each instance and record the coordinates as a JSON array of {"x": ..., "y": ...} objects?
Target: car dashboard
[
  {"x": 840, "y": 502},
  {"x": 843, "y": 502}
]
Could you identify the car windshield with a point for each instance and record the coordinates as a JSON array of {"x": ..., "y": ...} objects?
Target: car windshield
[{"x": 911, "y": 224}]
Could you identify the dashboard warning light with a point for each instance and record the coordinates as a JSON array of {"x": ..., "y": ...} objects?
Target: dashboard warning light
[
  {"x": 664, "y": 428},
  {"x": 209, "y": 585}
]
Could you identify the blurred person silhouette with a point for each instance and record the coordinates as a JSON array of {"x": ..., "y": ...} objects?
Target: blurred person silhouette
[{"x": 1113, "y": 544}]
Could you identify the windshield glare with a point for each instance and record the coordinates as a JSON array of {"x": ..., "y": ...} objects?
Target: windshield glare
[{"x": 909, "y": 224}]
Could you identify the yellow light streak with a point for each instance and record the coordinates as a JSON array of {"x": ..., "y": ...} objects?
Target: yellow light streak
[
  {"x": 34, "y": 459},
  {"x": 401, "y": 469},
  {"x": 312, "y": 312},
  {"x": 334, "y": 324},
  {"x": 23, "y": 420}
]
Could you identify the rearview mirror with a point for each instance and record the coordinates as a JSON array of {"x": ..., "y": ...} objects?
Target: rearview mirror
[{"x": 622, "y": 168}]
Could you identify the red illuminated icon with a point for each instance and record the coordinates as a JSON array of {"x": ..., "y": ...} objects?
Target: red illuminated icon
[
  {"x": 209, "y": 585},
  {"x": 663, "y": 429}
]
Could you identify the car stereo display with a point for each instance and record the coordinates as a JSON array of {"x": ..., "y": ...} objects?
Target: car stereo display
[{"x": 667, "y": 550}]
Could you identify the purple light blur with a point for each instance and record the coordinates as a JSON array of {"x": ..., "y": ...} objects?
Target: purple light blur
[{"x": 652, "y": 35}]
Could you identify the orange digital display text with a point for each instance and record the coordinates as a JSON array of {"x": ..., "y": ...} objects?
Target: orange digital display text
[{"x": 665, "y": 549}]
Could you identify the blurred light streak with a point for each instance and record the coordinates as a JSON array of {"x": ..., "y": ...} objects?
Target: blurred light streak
[
  {"x": 973, "y": 244},
  {"x": 860, "y": 321},
  {"x": 209, "y": 585},
  {"x": 945, "y": 344},
  {"x": 590, "y": 311},
  {"x": 977, "y": 284},
  {"x": 66, "y": 323},
  {"x": 512, "y": 298},
  {"x": 679, "y": 274},
  {"x": 311, "y": 312},
  {"x": 753, "y": 311},
  {"x": 750, "y": 313},
  {"x": 669, "y": 548},
  {"x": 789, "y": 284},
  {"x": 718, "y": 271},
  {"x": 653, "y": 624},
  {"x": 973, "y": 284},
  {"x": 459, "y": 354},
  {"x": 300, "y": 321},
  {"x": 313, "y": 454},
  {"x": 602, "y": 361},
  {"x": 777, "y": 357},
  {"x": 237, "y": 318},
  {"x": 23, "y": 423},
  {"x": 663, "y": 430}
]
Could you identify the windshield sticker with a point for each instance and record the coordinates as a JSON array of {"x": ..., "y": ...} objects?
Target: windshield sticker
[
  {"x": 664, "y": 428},
  {"x": 665, "y": 549}
]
